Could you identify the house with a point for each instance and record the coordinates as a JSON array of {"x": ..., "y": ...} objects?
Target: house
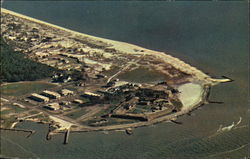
[
  {"x": 66, "y": 92},
  {"x": 38, "y": 97},
  {"x": 50, "y": 94},
  {"x": 52, "y": 106}
]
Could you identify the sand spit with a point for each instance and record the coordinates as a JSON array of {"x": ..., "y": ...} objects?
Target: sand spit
[{"x": 127, "y": 48}]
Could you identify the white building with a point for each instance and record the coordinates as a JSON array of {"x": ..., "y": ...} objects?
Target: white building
[
  {"x": 51, "y": 94},
  {"x": 39, "y": 98}
]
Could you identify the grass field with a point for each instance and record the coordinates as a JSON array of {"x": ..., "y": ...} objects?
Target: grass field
[
  {"x": 13, "y": 109},
  {"x": 8, "y": 121},
  {"x": 77, "y": 114},
  {"x": 142, "y": 75},
  {"x": 22, "y": 88},
  {"x": 110, "y": 121}
]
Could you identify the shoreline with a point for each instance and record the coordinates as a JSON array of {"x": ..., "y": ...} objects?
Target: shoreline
[
  {"x": 66, "y": 125},
  {"x": 170, "y": 117}
]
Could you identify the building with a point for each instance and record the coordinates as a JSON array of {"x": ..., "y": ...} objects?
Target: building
[
  {"x": 52, "y": 106},
  {"x": 78, "y": 101},
  {"x": 50, "y": 94},
  {"x": 92, "y": 96},
  {"x": 66, "y": 92},
  {"x": 38, "y": 97}
]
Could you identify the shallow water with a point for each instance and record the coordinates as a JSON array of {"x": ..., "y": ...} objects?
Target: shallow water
[{"x": 212, "y": 36}]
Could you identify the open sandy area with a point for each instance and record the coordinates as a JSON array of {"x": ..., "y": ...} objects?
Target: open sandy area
[
  {"x": 63, "y": 124},
  {"x": 190, "y": 95}
]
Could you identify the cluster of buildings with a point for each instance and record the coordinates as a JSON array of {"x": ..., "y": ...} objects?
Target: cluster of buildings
[
  {"x": 55, "y": 100},
  {"x": 46, "y": 96},
  {"x": 152, "y": 101},
  {"x": 53, "y": 48},
  {"x": 58, "y": 49}
]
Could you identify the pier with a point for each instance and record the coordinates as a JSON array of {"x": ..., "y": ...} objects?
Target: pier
[{"x": 66, "y": 137}]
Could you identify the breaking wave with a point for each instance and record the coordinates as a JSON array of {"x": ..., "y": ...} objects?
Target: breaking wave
[
  {"x": 230, "y": 127},
  {"x": 222, "y": 129}
]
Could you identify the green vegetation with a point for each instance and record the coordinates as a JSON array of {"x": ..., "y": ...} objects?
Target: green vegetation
[
  {"x": 138, "y": 111},
  {"x": 142, "y": 109},
  {"x": 106, "y": 111},
  {"x": 43, "y": 118},
  {"x": 33, "y": 112},
  {"x": 142, "y": 75},
  {"x": 12, "y": 109},
  {"x": 117, "y": 121},
  {"x": 16, "y": 67},
  {"x": 107, "y": 121},
  {"x": 77, "y": 114},
  {"x": 7, "y": 111},
  {"x": 18, "y": 109},
  {"x": 8, "y": 116},
  {"x": 177, "y": 103},
  {"x": 8, "y": 120},
  {"x": 22, "y": 88},
  {"x": 112, "y": 71}
]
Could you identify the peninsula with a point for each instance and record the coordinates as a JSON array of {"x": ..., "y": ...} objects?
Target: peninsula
[{"x": 99, "y": 84}]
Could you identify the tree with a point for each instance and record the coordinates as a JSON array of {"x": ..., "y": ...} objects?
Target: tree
[{"x": 16, "y": 67}]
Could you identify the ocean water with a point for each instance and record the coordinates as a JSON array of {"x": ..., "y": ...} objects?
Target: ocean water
[{"x": 212, "y": 36}]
